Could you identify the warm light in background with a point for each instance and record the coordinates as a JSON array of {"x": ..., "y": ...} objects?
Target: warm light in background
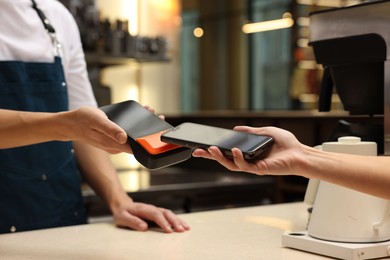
[
  {"x": 123, "y": 82},
  {"x": 166, "y": 8},
  {"x": 308, "y": 65},
  {"x": 271, "y": 25},
  {"x": 132, "y": 7},
  {"x": 134, "y": 180},
  {"x": 132, "y": 162},
  {"x": 121, "y": 9},
  {"x": 132, "y": 93},
  {"x": 198, "y": 32},
  {"x": 303, "y": 42},
  {"x": 329, "y": 3},
  {"x": 303, "y": 21},
  {"x": 282, "y": 224},
  {"x": 148, "y": 84},
  {"x": 124, "y": 161}
]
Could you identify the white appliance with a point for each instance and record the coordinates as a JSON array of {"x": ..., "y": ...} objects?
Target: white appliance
[{"x": 344, "y": 223}]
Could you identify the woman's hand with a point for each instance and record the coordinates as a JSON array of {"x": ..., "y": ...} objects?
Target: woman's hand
[{"x": 279, "y": 160}]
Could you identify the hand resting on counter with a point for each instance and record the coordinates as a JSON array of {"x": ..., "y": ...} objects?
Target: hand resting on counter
[{"x": 141, "y": 216}]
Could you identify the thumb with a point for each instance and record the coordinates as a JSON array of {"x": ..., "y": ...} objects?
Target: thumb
[
  {"x": 113, "y": 131},
  {"x": 121, "y": 137}
]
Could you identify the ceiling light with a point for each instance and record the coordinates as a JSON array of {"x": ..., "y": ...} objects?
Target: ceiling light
[{"x": 268, "y": 25}]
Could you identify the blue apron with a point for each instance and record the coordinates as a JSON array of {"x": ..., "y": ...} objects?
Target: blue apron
[{"x": 39, "y": 184}]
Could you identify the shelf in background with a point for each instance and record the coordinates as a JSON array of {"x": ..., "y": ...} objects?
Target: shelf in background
[{"x": 111, "y": 60}]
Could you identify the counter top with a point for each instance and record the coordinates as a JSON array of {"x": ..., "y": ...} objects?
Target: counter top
[{"x": 240, "y": 233}]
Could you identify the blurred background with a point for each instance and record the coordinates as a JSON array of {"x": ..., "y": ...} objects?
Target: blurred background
[
  {"x": 195, "y": 55},
  {"x": 219, "y": 62}
]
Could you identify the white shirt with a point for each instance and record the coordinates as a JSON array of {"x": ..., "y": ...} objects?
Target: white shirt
[{"x": 23, "y": 37}]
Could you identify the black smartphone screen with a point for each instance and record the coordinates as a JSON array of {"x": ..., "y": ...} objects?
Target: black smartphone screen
[{"x": 203, "y": 136}]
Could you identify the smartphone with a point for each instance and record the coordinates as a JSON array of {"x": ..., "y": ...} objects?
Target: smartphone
[{"x": 195, "y": 135}]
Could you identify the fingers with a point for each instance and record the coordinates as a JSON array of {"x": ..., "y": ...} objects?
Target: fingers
[
  {"x": 274, "y": 132},
  {"x": 129, "y": 221},
  {"x": 169, "y": 222},
  {"x": 112, "y": 130},
  {"x": 243, "y": 128},
  {"x": 153, "y": 111},
  {"x": 202, "y": 153},
  {"x": 217, "y": 155},
  {"x": 267, "y": 130},
  {"x": 121, "y": 137},
  {"x": 104, "y": 142},
  {"x": 149, "y": 108},
  {"x": 136, "y": 215},
  {"x": 117, "y": 135},
  {"x": 240, "y": 161},
  {"x": 95, "y": 128}
]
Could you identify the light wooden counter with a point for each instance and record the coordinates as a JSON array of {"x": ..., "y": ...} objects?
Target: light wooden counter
[{"x": 241, "y": 233}]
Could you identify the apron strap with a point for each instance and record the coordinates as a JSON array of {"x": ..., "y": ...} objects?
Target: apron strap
[
  {"x": 49, "y": 28},
  {"x": 42, "y": 16}
]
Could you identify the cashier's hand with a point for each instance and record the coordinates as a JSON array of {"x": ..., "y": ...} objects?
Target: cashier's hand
[
  {"x": 136, "y": 215},
  {"x": 280, "y": 160},
  {"x": 91, "y": 125}
]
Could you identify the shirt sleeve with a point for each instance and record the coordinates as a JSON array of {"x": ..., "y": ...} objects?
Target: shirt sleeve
[{"x": 80, "y": 91}]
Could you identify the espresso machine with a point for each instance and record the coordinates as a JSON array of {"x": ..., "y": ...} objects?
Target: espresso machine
[{"x": 353, "y": 46}]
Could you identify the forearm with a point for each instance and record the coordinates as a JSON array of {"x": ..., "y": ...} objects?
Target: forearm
[
  {"x": 20, "y": 128},
  {"x": 100, "y": 174},
  {"x": 368, "y": 174}
]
